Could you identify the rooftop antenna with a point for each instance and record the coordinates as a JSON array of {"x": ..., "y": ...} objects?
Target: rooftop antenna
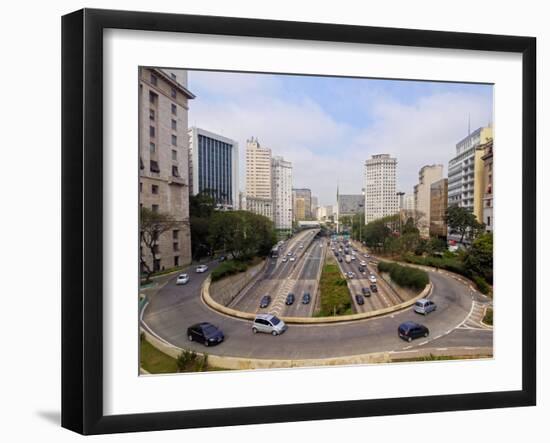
[{"x": 468, "y": 124}]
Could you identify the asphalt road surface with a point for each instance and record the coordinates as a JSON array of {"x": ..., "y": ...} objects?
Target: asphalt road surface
[{"x": 453, "y": 324}]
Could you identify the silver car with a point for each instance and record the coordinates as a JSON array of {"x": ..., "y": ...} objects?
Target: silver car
[
  {"x": 269, "y": 324},
  {"x": 424, "y": 306}
]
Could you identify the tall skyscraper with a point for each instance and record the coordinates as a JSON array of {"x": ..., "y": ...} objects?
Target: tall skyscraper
[
  {"x": 164, "y": 156},
  {"x": 380, "y": 187},
  {"x": 281, "y": 173},
  {"x": 350, "y": 204},
  {"x": 487, "y": 158},
  {"x": 258, "y": 170},
  {"x": 438, "y": 208},
  {"x": 214, "y": 167},
  {"x": 422, "y": 195},
  {"x": 466, "y": 172},
  {"x": 314, "y": 207}
]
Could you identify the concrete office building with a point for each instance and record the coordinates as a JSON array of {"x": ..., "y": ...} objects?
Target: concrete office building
[
  {"x": 163, "y": 158},
  {"x": 281, "y": 173},
  {"x": 350, "y": 204},
  {"x": 380, "y": 187},
  {"x": 466, "y": 172},
  {"x": 260, "y": 206},
  {"x": 305, "y": 194},
  {"x": 214, "y": 167},
  {"x": 422, "y": 196},
  {"x": 314, "y": 207},
  {"x": 438, "y": 208},
  {"x": 487, "y": 158},
  {"x": 408, "y": 202}
]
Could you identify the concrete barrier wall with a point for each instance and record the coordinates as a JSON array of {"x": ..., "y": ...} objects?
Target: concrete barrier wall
[
  {"x": 207, "y": 298},
  {"x": 224, "y": 291}
]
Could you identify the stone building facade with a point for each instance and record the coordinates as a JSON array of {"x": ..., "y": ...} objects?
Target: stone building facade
[{"x": 163, "y": 161}]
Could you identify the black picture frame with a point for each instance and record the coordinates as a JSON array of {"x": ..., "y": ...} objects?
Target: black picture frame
[{"x": 82, "y": 216}]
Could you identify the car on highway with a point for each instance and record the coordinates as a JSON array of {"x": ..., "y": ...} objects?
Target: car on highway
[
  {"x": 361, "y": 269},
  {"x": 201, "y": 268},
  {"x": 269, "y": 324},
  {"x": 182, "y": 279},
  {"x": 284, "y": 260},
  {"x": 265, "y": 301},
  {"x": 340, "y": 259},
  {"x": 301, "y": 246},
  {"x": 366, "y": 292},
  {"x": 359, "y": 299},
  {"x": 289, "y": 299},
  {"x": 410, "y": 330},
  {"x": 424, "y": 306},
  {"x": 363, "y": 263},
  {"x": 205, "y": 333},
  {"x": 373, "y": 288},
  {"x": 306, "y": 298},
  {"x": 289, "y": 253},
  {"x": 350, "y": 274},
  {"x": 222, "y": 258},
  {"x": 292, "y": 258},
  {"x": 372, "y": 278}
]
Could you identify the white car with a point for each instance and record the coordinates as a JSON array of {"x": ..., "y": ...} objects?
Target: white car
[
  {"x": 201, "y": 268},
  {"x": 363, "y": 263},
  {"x": 182, "y": 279},
  {"x": 372, "y": 279},
  {"x": 293, "y": 258},
  {"x": 284, "y": 260}
]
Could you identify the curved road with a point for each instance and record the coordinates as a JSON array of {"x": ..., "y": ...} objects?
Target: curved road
[{"x": 174, "y": 308}]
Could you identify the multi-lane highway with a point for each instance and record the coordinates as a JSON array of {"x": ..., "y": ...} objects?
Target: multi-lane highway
[
  {"x": 294, "y": 271},
  {"x": 455, "y": 323}
]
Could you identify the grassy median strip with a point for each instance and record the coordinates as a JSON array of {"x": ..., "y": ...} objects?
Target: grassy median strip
[
  {"x": 154, "y": 361},
  {"x": 488, "y": 317},
  {"x": 333, "y": 291},
  {"x": 405, "y": 276}
]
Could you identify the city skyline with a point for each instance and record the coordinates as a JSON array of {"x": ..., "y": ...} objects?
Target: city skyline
[{"x": 413, "y": 121}]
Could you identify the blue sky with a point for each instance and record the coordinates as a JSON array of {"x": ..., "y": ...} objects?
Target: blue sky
[{"x": 328, "y": 126}]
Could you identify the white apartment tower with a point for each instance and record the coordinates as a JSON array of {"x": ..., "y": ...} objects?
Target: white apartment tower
[
  {"x": 258, "y": 170},
  {"x": 380, "y": 187},
  {"x": 281, "y": 173}
]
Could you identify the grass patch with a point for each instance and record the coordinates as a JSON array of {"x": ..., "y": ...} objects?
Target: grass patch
[
  {"x": 334, "y": 295},
  {"x": 405, "y": 276},
  {"x": 155, "y": 361},
  {"x": 488, "y": 317}
]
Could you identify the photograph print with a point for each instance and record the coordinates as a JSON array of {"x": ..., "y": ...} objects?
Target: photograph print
[{"x": 300, "y": 220}]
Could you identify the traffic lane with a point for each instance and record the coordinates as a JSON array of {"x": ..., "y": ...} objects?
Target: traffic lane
[
  {"x": 314, "y": 341},
  {"x": 475, "y": 338}
]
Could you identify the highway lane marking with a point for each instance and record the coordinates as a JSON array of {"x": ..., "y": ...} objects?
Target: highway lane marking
[
  {"x": 424, "y": 342},
  {"x": 441, "y": 349}
]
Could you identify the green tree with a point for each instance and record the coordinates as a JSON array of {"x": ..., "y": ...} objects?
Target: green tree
[
  {"x": 479, "y": 258},
  {"x": 201, "y": 208},
  {"x": 463, "y": 222},
  {"x": 409, "y": 227},
  {"x": 152, "y": 225},
  {"x": 376, "y": 233}
]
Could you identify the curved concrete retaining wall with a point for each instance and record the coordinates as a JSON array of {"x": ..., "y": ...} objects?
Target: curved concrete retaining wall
[
  {"x": 309, "y": 320},
  {"x": 241, "y": 363},
  {"x": 224, "y": 291}
]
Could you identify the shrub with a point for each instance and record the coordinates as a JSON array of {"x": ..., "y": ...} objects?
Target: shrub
[
  {"x": 481, "y": 284},
  {"x": 488, "y": 318},
  {"x": 228, "y": 268},
  {"x": 405, "y": 276},
  {"x": 185, "y": 359}
]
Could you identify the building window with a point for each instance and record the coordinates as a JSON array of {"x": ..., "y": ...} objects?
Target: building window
[
  {"x": 174, "y": 109},
  {"x": 140, "y": 186},
  {"x": 173, "y": 76},
  {"x": 154, "y": 166},
  {"x": 153, "y": 79},
  {"x": 156, "y": 265},
  {"x": 175, "y": 234},
  {"x": 176, "y": 260},
  {"x": 174, "y": 124},
  {"x": 174, "y": 154},
  {"x": 176, "y": 246},
  {"x": 488, "y": 221},
  {"x": 175, "y": 171},
  {"x": 152, "y": 131},
  {"x": 154, "y": 189},
  {"x": 151, "y": 114},
  {"x": 155, "y": 208},
  {"x": 174, "y": 140},
  {"x": 156, "y": 249},
  {"x": 174, "y": 93},
  {"x": 152, "y": 97},
  {"x": 152, "y": 148}
]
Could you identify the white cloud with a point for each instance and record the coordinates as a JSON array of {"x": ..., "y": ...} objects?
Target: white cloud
[{"x": 324, "y": 150}]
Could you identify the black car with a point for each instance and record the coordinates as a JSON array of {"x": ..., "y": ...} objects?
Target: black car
[
  {"x": 289, "y": 299},
  {"x": 264, "y": 303},
  {"x": 205, "y": 333},
  {"x": 340, "y": 259},
  {"x": 306, "y": 298},
  {"x": 359, "y": 299},
  {"x": 411, "y": 330},
  {"x": 366, "y": 292},
  {"x": 373, "y": 288},
  {"x": 361, "y": 268}
]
